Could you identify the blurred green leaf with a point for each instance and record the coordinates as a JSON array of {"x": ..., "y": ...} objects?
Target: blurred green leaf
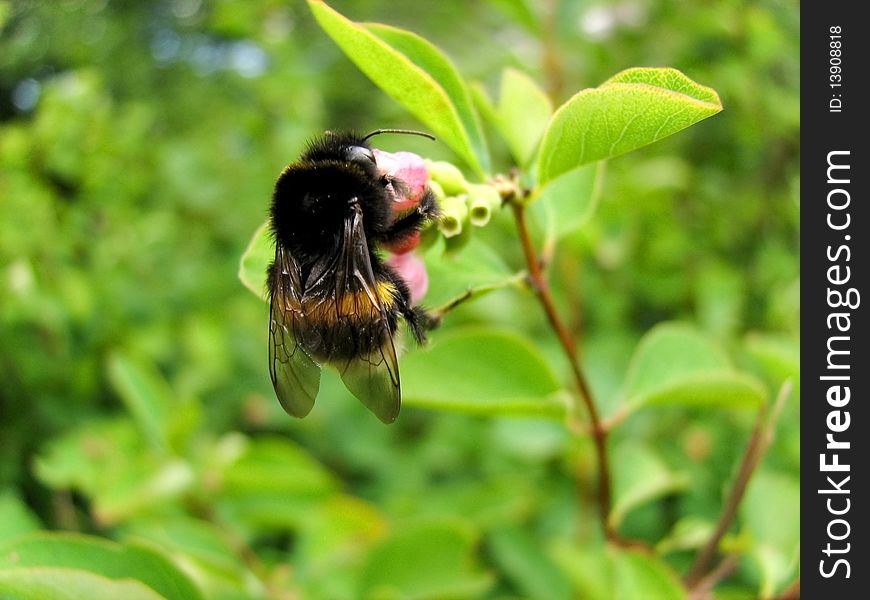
[
  {"x": 402, "y": 73},
  {"x": 340, "y": 527},
  {"x": 613, "y": 573},
  {"x": 99, "y": 557},
  {"x": 146, "y": 394},
  {"x": 779, "y": 357},
  {"x": 676, "y": 365},
  {"x": 527, "y": 565},
  {"x": 689, "y": 533},
  {"x": 521, "y": 115},
  {"x": 110, "y": 463},
  {"x": 15, "y": 517},
  {"x": 200, "y": 547},
  {"x": 632, "y": 109},
  {"x": 641, "y": 576},
  {"x": 276, "y": 464},
  {"x": 40, "y": 583},
  {"x": 484, "y": 371},
  {"x": 422, "y": 562},
  {"x": 522, "y": 12},
  {"x": 589, "y": 567},
  {"x": 640, "y": 476},
  {"x": 258, "y": 255},
  {"x": 488, "y": 503},
  {"x": 274, "y": 484},
  {"x": 771, "y": 514},
  {"x": 333, "y": 544}
]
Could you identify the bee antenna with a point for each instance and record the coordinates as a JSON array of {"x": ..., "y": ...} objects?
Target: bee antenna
[{"x": 404, "y": 131}]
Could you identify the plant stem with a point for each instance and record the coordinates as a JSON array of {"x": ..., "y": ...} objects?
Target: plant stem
[
  {"x": 475, "y": 292},
  {"x": 702, "y": 591},
  {"x": 759, "y": 441},
  {"x": 541, "y": 287}
]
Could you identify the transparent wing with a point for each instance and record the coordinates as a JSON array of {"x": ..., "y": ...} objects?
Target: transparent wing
[
  {"x": 295, "y": 376},
  {"x": 372, "y": 375}
]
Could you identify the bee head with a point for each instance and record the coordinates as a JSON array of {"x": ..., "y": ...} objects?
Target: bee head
[{"x": 362, "y": 156}]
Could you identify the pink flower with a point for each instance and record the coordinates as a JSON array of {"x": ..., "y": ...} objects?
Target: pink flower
[
  {"x": 410, "y": 173},
  {"x": 408, "y": 179},
  {"x": 411, "y": 268}
]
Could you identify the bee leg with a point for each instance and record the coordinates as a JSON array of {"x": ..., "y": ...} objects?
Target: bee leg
[
  {"x": 419, "y": 321},
  {"x": 413, "y": 221},
  {"x": 418, "y": 318}
]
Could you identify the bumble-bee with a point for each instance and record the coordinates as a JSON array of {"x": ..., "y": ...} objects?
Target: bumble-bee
[{"x": 333, "y": 299}]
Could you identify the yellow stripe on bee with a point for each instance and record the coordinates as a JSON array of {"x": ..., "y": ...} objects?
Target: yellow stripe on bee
[{"x": 356, "y": 305}]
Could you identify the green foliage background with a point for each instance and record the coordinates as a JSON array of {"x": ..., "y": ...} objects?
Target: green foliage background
[{"x": 139, "y": 143}]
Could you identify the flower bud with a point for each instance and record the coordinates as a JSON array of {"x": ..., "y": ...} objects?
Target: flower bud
[
  {"x": 449, "y": 176},
  {"x": 437, "y": 190},
  {"x": 482, "y": 201},
  {"x": 454, "y": 211}
]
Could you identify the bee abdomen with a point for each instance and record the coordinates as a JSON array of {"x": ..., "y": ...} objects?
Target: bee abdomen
[{"x": 349, "y": 325}]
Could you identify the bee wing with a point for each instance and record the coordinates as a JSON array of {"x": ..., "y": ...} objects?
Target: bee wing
[
  {"x": 374, "y": 378},
  {"x": 373, "y": 375},
  {"x": 295, "y": 376}
]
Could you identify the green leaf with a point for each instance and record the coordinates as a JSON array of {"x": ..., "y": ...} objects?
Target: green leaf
[
  {"x": 632, "y": 109},
  {"x": 676, "y": 365},
  {"x": 146, "y": 394},
  {"x": 771, "y": 513},
  {"x": 332, "y": 544},
  {"x": 522, "y": 560},
  {"x": 640, "y": 477},
  {"x": 667, "y": 79},
  {"x": 258, "y": 255},
  {"x": 110, "y": 463},
  {"x": 430, "y": 59},
  {"x": 689, "y": 533},
  {"x": 640, "y": 576},
  {"x": 274, "y": 485},
  {"x": 340, "y": 527},
  {"x": 521, "y": 115},
  {"x": 491, "y": 502},
  {"x": 589, "y": 567},
  {"x": 568, "y": 202},
  {"x": 15, "y": 517},
  {"x": 614, "y": 573},
  {"x": 99, "y": 557},
  {"x": 483, "y": 371},
  {"x": 423, "y": 562},
  {"x": 39, "y": 583},
  {"x": 277, "y": 465},
  {"x": 5, "y": 11},
  {"x": 523, "y": 12},
  {"x": 200, "y": 546},
  {"x": 451, "y": 274},
  {"x": 416, "y": 75}
]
